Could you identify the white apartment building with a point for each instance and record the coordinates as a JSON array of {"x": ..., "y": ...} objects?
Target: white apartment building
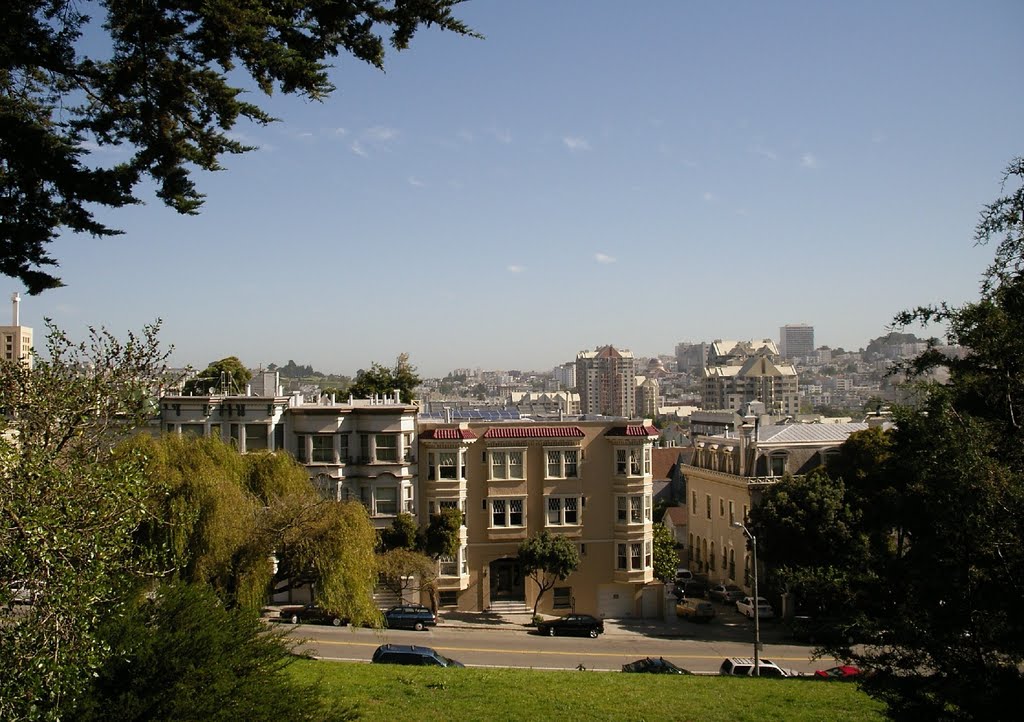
[
  {"x": 16, "y": 340},
  {"x": 606, "y": 381}
]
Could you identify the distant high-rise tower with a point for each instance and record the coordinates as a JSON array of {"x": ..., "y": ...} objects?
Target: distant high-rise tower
[
  {"x": 16, "y": 340},
  {"x": 606, "y": 380},
  {"x": 796, "y": 339}
]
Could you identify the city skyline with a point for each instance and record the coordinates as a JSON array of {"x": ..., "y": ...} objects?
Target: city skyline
[{"x": 578, "y": 179}]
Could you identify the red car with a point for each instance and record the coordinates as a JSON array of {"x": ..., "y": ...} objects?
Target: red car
[{"x": 843, "y": 672}]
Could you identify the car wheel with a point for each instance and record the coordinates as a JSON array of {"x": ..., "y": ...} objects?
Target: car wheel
[
  {"x": 336, "y": 622},
  {"x": 593, "y": 634},
  {"x": 294, "y": 619},
  {"x": 551, "y": 631},
  {"x": 418, "y": 626}
]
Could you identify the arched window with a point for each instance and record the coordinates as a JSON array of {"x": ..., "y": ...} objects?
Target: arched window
[
  {"x": 732, "y": 564},
  {"x": 711, "y": 558},
  {"x": 689, "y": 549}
]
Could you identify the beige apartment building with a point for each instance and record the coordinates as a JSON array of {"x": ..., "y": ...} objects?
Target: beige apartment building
[
  {"x": 16, "y": 340},
  {"x": 739, "y": 372},
  {"x": 726, "y": 477},
  {"x": 587, "y": 480}
]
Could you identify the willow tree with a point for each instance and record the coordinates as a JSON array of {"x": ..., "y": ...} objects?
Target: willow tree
[{"x": 241, "y": 523}]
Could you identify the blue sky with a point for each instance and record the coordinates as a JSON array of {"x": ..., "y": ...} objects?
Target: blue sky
[{"x": 591, "y": 172}]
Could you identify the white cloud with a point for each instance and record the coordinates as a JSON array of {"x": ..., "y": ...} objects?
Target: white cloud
[
  {"x": 358, "y": 149},
  {"x": 415, "y": 182},
  {"x": 765, "y": 152},
  {"x": 879, "y": 137},
  {"x": 516, "y": 269},
  {"x": 502, "y": 136},
  {"x": 807, "y": 160},
  {"x": 380, "y": 134},
  {"x": 603, "y": 258},
  {"x": 576, "y": 143},
  {"x": 709, "y": 196},
  {"x": 339, "y": 132},
  {"x": 466, "y": 136}
]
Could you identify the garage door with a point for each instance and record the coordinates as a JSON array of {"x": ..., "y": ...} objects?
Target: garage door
[{"x": 615, "y": 600}]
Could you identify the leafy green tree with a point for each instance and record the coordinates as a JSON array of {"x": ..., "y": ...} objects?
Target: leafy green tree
[
  {"x": 402, "y": 534},
  {"x": 166, "y": 84},
  {"x": 547, "y": 559},
  {"x": 666, "y": 560},
  {"x": 404, "y": 570},
  {"x": 218, "y": 517},
  {"x": 178, "y": 654},
  {"x": 68, "y": 507},
  {"x": 441, "y": 536},
  {"x": 380, "y": 380},
  {"x": 227, "y": 376}
]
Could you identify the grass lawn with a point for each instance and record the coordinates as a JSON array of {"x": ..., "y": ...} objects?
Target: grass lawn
[{"x": 391, "y": 692}]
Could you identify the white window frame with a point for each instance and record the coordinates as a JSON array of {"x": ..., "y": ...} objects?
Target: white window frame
[
  {"x": 561, "y": 465},
  {"x": 507, "y": 503},
  {"x": 395, "y": 440},
  {"x": 633, "y": 509},
  {"x": 779, "y": 457},
  {"x": 621, "y": 557},
  {"x": 562, "y": 503},
  {"x": 435, "y": 465},
  {"x": 326, "y": 453},
  {"x": 630, "y": 460},
  {"x": 502, "y": 458},
  {"x": 376, "y": 500}
]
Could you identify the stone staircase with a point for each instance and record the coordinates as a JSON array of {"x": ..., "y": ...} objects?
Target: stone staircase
[{"x": 508, "y": 606}]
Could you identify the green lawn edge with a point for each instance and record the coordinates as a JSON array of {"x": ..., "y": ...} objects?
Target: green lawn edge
[{"x": 390, "y": 692}]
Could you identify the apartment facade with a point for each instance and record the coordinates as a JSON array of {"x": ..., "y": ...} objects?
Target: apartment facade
[
  {"x": 16, "y": 340},
  {"x": 356, "y": 449},
  {"x": 727, "y": 476},
  {"x": 741, "y": 372},
  {"x": 589, "y": 481},
  {"x": 606, "y": 381}
]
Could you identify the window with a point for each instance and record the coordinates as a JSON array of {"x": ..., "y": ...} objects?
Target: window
[
  {"x": 562, "y": 597},
  {"x": 732, "y": 512},
  {"x": 506, "y": 512},
  {"x": 563, "y": 511},
  {"x": 387, "y": 500},
  {"x": 447, "y": 566},
  {"x": 343, "y": 453},
  {"x": 621, "y": 462},
  {"x": 448, "y": 598},
  {"x": 732, "y": 563},
  {"x": 563, "y": 463},
  {"x": 711, "y": 557},
  {"x": 633, "y": 509},
  {"x": 707, "y": 498},
  {"x": 694, "y": 511},
  {"x": 647, "y": 461},
  {"x": 628, "y": 462},
  {"x": 323, "y": 449},
  {"x": 443, "y": 465},
  {"x": 635, "y": 550},
  {"x": 387, "y": 447},
  {"x": 506, "y": 463},
  {"x": 648, "y": 554},
  {"x": 621, "y": 556},
  {"x": 776, "y": 464},
  {"x": 721, "y": 506}
]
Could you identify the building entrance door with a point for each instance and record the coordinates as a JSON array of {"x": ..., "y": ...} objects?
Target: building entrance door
[{"x": 507, "y": 581}]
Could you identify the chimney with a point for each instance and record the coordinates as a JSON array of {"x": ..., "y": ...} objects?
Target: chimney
[{"x": 15, "y": 302}]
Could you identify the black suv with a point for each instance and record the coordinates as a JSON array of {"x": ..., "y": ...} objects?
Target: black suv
[
  {"x": 409, "y": 616},
  {"x": 411, "y": 654}
]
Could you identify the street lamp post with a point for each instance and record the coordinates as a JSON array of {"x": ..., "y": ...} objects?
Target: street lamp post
[{"x": 757, "y": 615}]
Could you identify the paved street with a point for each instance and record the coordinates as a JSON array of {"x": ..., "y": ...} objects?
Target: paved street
[{"x": 483, "y": 640}]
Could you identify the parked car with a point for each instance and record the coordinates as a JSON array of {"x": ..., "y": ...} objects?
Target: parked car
[
  {"x": 726, "y": 593},
  {"x": 311, "y": 614},
  {"x": 745, "y": 606},
  {"x": 695, "y": 610},
  {"x": 650, "y": 665},
  {"x": 844, "y": 672},
  {"x": 412, "y": 654},
  {"x": 744, "y": 667},
  {"x": 409, "y": 616},
  {"x": 683, "y": 575},
  {"x": 692, "y": 588},
  {"x": 578, "y": 624}
]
